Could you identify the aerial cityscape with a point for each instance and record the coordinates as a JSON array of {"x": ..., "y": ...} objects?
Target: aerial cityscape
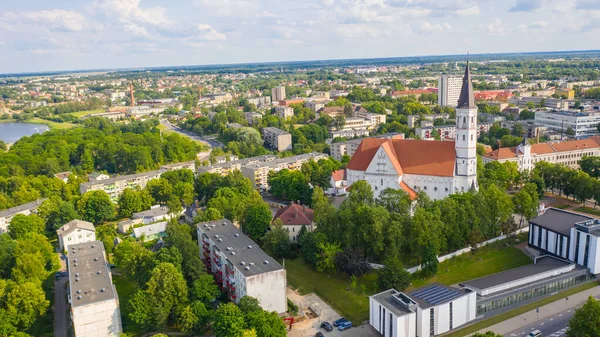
[{"x": 261, "y": 168}]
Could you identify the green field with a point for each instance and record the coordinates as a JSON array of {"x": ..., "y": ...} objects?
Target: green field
[
  {"x": 52, "y": 125},
  {"x": 126, "y": 289},
  {"x": 588, "y": 210},
  {"x": 86, "y": 112},
  {"x": 353, "y": 303}
]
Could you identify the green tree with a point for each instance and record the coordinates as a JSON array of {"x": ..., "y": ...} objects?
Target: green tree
[
  {"x": 204, "y": 289},
  {"x": 134, "y": 261},
  {"x": 133, "y": 201},
  {"x": 277, "y": 242},
  {"x": 228, "y": 321},
  {"x": 309, "y": 247},
  {"x": 590, "y": 165},
  {"x": 96, "y": 207},
  {"x": 7, "y": 257},
  {"x": 56, "y": 212},
  {"x": 430, "y": 260},
  {"x": 25, "y": 302},
  {"x": 20, "y": 225},
  {"x": 393, "y": 275},
  {"x": 486, "y": 334},
  {"x": 326, "y": 259},
  {"x": 586, "y": 320},
  {"x": 167, "y": 293},
  {"x": 256, "y": 220}
]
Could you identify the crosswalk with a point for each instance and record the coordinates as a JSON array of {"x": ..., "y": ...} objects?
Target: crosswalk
[{"x": 559, "y": 333}]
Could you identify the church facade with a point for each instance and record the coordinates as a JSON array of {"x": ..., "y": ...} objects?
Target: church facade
[{"x": 438, "y": 168}]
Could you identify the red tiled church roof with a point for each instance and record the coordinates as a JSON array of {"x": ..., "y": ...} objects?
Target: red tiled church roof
[{"x": 410, "y": 156}]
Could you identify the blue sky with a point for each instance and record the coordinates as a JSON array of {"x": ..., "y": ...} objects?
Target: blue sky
[{"x": 42, "y": 35}]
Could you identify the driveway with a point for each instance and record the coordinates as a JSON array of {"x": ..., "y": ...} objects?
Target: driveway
[
  {"x": 60, "y": 304},
  {"x": 325, "y": 313}
]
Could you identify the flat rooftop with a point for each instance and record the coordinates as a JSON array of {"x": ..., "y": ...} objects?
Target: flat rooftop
[
  {"x": 276, "y": 131},
  {"x": 390, "y": 301},
  {"x": 559, "y": 221},
  {"x": 544, "y": 265},
  {"x": 157, "y": 211},
  {"x": 21, "y": 208},
  {"x": 245, "y": 255},
  {"x": 435, "y": 294},
  {"x": 89, "y": 276},
  {"x": 286, "y": 160}
]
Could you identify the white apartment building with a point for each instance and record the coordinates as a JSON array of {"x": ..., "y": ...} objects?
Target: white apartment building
[
  {"x": 374, "y": 119},
  {"x": 567, "y": 153},
  {"x": 75, "y": 232},
  {"x": 240, "y": 267},
  {"x": 314, "y": 105},
  {"x": 411, "y": 120},
  {"x": 357, "y": 123},
  {"x": 228, "y": 167},
  {"x": 567, "y": 235},
  {"x": 277, "y": 139},
  {"x": 339, "y": 149},
  {"x": 348, "y": 133},
  {"x": 25, "y": 209},
  {"x": 278, "y": 94},
  {"x": 258, "y": 173},
  {"x": 94, "y": 300},
  {"x": 251, "y": 116},
  {"x": 154, "y": 214},
  {"x": 584, "y": 124},
  {"x": 447, "y": 131},
  {"x": 546, "y": 102},
  {"x": 425, "y": 312},
  {"x": 285, "y": 112},
  {"x": 260, "y": 101},
  {"x": 449, "y": 90},
  {"x": 116, "y": 185}
]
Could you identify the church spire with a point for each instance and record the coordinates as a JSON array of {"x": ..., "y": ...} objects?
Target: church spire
[{"x": 466, "y": 99}]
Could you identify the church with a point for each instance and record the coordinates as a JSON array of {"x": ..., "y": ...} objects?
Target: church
[{"x": 438, "y": 168}]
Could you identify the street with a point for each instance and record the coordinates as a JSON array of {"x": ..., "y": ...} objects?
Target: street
[
  {"x": 60, "y": 304},
  {"x": 554, "y": 326}
]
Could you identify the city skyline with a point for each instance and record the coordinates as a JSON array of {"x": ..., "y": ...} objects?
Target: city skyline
[{"x": 69, "y": 35}]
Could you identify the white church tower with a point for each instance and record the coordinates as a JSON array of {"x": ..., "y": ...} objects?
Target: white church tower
[{"x": 466, "y": 137}]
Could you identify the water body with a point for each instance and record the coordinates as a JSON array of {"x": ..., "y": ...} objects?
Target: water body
[{"x": 11, "y": 132}]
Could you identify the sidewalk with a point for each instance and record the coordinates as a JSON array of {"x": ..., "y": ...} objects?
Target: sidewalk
[{"x": 545, "y": 311}]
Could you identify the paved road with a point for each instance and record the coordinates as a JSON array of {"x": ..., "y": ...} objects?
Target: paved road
[
  {"x": 553, "y": 326},
  {"x": 60, "y": 305}
]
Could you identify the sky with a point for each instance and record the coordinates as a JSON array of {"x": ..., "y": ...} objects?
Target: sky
[{"x": 42, "y": 35}]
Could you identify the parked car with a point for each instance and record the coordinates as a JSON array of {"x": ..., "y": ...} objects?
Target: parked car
[
  {"x": 340, "y": 321},
  {"x": 57, "y": 276},
  {"x": 319, "y": 334},
  {"x": 63, "y": 257},
  {"x": 345, "y": 325},
  {"x": 327, "y": 326},
  {"x": 64, "y": 274}
]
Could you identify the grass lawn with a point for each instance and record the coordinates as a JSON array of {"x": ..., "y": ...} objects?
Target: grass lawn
[
  {"x": 52, "y": 125},
  {"x": 521, "y": 310},
  {"x": 588, "y": 210},
  {"x": 353, "y": 303},
  {"x": 126, "y": 289},
  {"x": 86, "y": 112}
]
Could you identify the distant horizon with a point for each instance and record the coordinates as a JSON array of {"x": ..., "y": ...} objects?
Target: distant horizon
[{"x": 332, "y": 62}]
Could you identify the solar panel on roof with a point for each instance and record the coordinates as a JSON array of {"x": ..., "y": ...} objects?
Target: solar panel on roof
[{"x": 436, "y": 294}]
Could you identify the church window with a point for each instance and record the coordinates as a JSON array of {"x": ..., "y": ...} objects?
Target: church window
[
  {"x": 415, "y": 187},
  {"x": 381, "y": 182},
  {"x": 471, "y": 119},
  {"x": 425, "y": 188},
  {"x": 446, "y": 189},
  {"x": 464, "y": 120},
  {"x": 435, "y": 188},
  {"x": 471, "y": 137},
  {"x": 463, "y": 138}
]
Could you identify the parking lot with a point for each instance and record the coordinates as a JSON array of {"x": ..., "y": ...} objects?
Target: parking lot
[{"x": 326, "y": 313}]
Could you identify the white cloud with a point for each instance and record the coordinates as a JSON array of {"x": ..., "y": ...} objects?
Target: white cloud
[
  {"x": 54, "y": 20},
  {"x": 427, "y": 28},
  {"x": 229, "y": 7},
  {"x": 467, "y": 11},
  {"x": 496, "y": 27},
  {"x": 357, "y": 32},
  {"x": 210, "y": 34},
  {"x": 533, "y": 26}
]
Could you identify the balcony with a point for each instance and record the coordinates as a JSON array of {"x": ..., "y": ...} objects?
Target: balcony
[
  {"x": 229, "y": 269},
  {"x": 217, "y": 261}
]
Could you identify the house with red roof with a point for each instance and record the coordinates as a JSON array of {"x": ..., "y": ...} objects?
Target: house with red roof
[
  {"x": 438, "y": 168},
  {"x": 294, "y": 217},
  {"x": 338, "y": 183}
]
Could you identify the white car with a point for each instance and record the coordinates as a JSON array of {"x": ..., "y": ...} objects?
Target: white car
[{"x": 535, "y": 333}]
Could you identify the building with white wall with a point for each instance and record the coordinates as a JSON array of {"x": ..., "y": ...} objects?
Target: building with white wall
[
  {"x": 374, "y": 119},
  {"x": 425, "y": 312},
  {"x": 438, "y": 168},
  {"x": 278, "y": 94},
  {"x": 240, "y": 267},
  {"x": 154, "y": 214},
  {"x": 584, "y": 124},
  {"x": 94, "y": 300},
  {"x": 116, "y": 185},
  {"x": 75, "y": 232},
  {"x": 349, "y": 147},
  {"x": 277, "y": 139},
  {"x": 449, "y": 90},
  {"x": 567, "y": 235},
  {"x": 567, "y": 153},
  {"x": 293, "y": 217},
  {"x": 285, "y": 112},
  {"x": 258, "y": 172},
  {"x": 412, "y": 120},
  {"x": 25, "y": 209}
]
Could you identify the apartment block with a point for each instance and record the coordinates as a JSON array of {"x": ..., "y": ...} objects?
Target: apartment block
[
  {"x": 584, "y": 124},
  {"x": 411, "y": 120},
  {"x": 449, "y": 90},
  {"x": 240, "y": 267},
  {"x": 373, "y": 118},
  {"x": 285, "y": 112},
  {"x": 116, "y": 185},
  {"x": 339, "y": 149},
  {"x": 278, "y": 94},
  {"x": 226, "y": 168},
  {"x": 277, "y": 139},
  {"x": 258, "y": 173},
  {"x": 25, "y": 209},
  {"x": 94, "y": 300}
]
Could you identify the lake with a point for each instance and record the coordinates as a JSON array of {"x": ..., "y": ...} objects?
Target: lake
[{"x": 11, "y": 132}]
